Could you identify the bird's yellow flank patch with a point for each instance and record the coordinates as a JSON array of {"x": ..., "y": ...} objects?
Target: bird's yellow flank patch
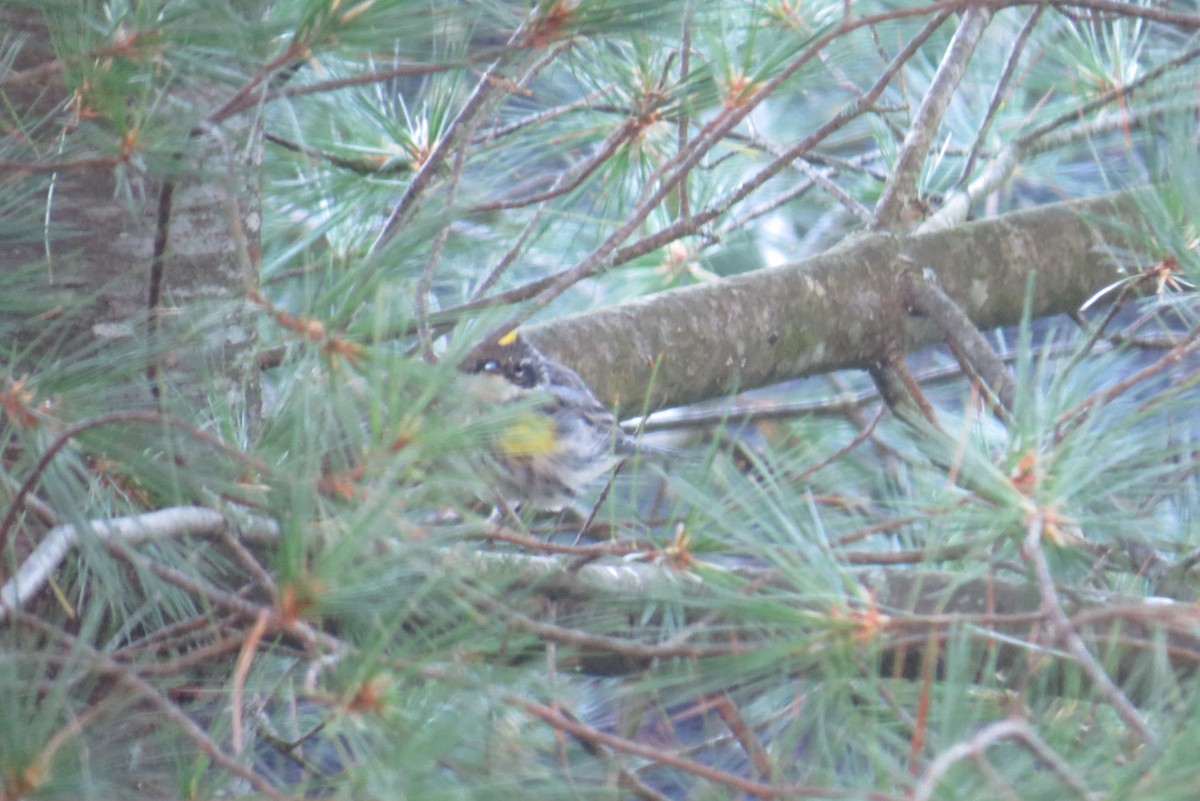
[{"x": 531, "y": 434}]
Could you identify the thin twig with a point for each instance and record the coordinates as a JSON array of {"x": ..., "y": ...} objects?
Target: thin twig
[
  {"x": 900, "y": 390},
  {"x": 555, "y": 718},
  {"x": 177, "y": 521},
  {"x": 681, "y": 124},
  {"x": 1051, "y": 606},
  {"x": 999, "y": 92},
  {"x": 665, "y": 178},
  {"x": 241, "y": 670},
  {"x": 321, "y": 87},
  {"x": 615, "y": 645},
  {"x": 901, "y": 189},
  {"x": 585, "y": 102},
  {"x": 1186, "y": 345},
  {"x": 103, "y": 663},
  {"x": 862, "y": 436},
  {"x": 978, "y": 743},
  {"x": 925, "y": 297},
  {"x": 507, "y": 259},
  {"x": 366, "y": 165},
  {"x": 247, "y": 559},
  {"x": 1116, "y": 93},
  {"x": 625, "y": 777},
  {"x": 192, "y": 656},
  {"x": 460, "y": 126},
  {"x": 72, "y": 431},
  {"x": 751, "y": 745},
  {"x": 425, "y": 283},
  {"x": 569, "y": 179}
]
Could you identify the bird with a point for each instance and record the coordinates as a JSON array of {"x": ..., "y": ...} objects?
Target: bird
[{"x": 556, "y": 450}]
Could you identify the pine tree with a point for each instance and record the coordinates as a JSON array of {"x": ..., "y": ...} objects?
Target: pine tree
[{"x": 921, "y": 273}]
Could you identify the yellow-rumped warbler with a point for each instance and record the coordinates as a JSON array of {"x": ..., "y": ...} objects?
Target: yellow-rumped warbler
[{"x": 551, "y": 455}]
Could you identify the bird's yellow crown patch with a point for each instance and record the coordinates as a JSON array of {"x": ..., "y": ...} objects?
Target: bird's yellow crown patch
[{"x": 507, "y": 339}]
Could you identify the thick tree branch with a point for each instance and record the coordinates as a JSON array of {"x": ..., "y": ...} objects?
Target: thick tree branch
[{"x": 836, "y": 310}]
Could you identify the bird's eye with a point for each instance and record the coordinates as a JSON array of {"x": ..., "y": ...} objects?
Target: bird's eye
[
  {"x": 523, "y": 374},
  {"x": 490, "y": 366}
]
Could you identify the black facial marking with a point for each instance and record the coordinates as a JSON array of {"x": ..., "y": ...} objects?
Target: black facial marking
[
  {"x": 516, "y": 361},
  {"x": 523, "y": 374}
]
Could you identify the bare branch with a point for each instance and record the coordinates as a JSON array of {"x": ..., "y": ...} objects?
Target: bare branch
[
  {"x": 1065, "y": 631},
  {"x": 900, "y": 193},
  {"x": 164, "y": 523},
  {"x": 985, "y": 738}
]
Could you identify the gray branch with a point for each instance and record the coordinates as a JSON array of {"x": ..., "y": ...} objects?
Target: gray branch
[{"x": 837, "y": 310}]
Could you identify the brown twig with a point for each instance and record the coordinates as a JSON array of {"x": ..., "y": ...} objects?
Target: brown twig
[
  {"x": 461, "y": 126},
  {"x": 625, "y": 777},
  {"x": 378, "y": 76},
  {"x": 192, "y": 656},
  {"x": 1116, "y": 93},
  {"x": 617, "y": 547},
  {"x": 910, "y": 557},
  {"x": 555, "y": 718},
  {"x": 900, "y": 390},
  {"x": 925, "y": 297},
  {"x": 1168, "y": 359},
  {"x": 859, "y": 438},
  {"x": 585, "y": 102},
  {"x": 999, "y": 93},
  {"x": 104, "y": 664},
  {"x": 681, "y": 124},
  {"x": 569, "y": 179},
  {"x": 1064, "y": 631},
  {"x": 978, "y": 743},
  {"x": 241, "y": 670},
  {"x": 360, "y": 165},
  {"x": 616, "y": 646},
  {"x": 901, "y": 190},
  {"x": 741, "y": 731},
  {"x": 881, "y": 527},
  {"x": 98, "y": 163},
  {"x": 72, "y": 431}
]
